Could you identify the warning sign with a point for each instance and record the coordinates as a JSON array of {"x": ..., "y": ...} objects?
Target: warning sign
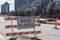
[{"x": 25, "y": 22}]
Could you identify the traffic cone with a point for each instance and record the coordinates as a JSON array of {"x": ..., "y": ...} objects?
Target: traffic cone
[{"x": 56, "y": 23}]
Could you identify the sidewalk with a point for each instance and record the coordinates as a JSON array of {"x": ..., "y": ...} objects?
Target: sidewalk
[{"x": 49, "y": 33}]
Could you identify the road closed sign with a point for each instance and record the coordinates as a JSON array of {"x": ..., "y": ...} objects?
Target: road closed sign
[{"x": 25, "y": 22}]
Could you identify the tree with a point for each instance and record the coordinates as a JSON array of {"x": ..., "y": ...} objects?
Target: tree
[
  {"x": 50, "y": 7},
  {"x": 38, "y": 10},
  {"x": 23, "y": 12},
  {"x": 28, "y": 12}
]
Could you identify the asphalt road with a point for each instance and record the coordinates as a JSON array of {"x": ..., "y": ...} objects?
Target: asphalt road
[{"x": 47, "y": 32}]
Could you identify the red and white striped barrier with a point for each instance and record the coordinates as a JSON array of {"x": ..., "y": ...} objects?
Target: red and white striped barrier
[
  {"x": 15, "y": 18},
  {"x": 22, "y": 33},
  {"x": 15, "y": 26},
  {"x": 36, "y": 19}
]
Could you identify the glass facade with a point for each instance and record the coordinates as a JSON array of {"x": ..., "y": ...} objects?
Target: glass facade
[
  {"x": 57, "y": 4},
  {"x": 5, "y": 7},
  {"x": 19, "y": 3}
]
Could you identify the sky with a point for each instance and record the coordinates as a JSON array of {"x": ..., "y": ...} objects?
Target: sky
[{"x": 11, "y": 4}]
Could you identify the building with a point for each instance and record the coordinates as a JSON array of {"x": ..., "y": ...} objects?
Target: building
[
  {"x": 57, "y": 4},
  {"x": 5, "y": 7},
  {"x": 57, "y": 8},
  {"x": 45, "y": 3},
  {"x": 19, "y": 3},
  {"x": 51, "y": 0},
  {"x": 42, "y": 2},
  {"x": 37, "y": 5},
  {"x": 41, "y": 6}
]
